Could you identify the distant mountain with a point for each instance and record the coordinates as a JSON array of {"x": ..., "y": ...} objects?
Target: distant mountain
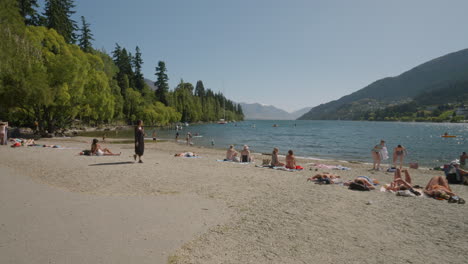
[
  {"x": 150, "y": 83},
  {"x": 258, "y": 111},
  {"x": 300, "y": 112},
  {"x": 427, "y": 77}
]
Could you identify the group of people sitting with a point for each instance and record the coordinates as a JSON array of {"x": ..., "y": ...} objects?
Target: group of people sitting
[
  {"x": 245, "y": 156},
  {"x": 290, "y": 160},
  {"x": 233, "y": 155}
]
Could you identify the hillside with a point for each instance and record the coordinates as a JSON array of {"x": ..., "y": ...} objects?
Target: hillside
[
  {"x": 300, "y": 112},
  {"x": 429, "y": 76},
  {"x": 258, "y": 111},
  {"x": 150, "y": 84}
]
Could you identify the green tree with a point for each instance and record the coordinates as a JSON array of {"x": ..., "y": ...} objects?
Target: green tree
[
  {"x": 27, "y": 9},
  {"x": 138, "y": 75},
  {"x": 58, "y": 16},
  {"x": 85, "y": 37},
  {"x": 162, "y": 86},
  {"x": 123, "y": 61},
  {"x": 199, "y": 89}
]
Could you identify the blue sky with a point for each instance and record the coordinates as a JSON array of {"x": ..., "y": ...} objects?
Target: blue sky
[{"x": 290, "y": 54}]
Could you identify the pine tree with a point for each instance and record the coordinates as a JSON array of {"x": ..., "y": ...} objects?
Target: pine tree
[
  {"x": 58, "y": 16},
  {"x": 125, "y": 75},
  {"x": 28, "y": 12},
  {"x": 199, "y": 89},
  {"x": 85, "y": 37},
  {"x": 137, "y": 62},
  {"x": 162, "y": 87}
]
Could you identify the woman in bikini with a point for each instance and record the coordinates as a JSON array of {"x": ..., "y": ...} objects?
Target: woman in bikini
[
  {"x": 274, "y": 158},
  {"x": 245, "y": 154},
  {"x": 398, "y": 155},
  {"x": 399, "y": 184},
  {"x": 291, "y": 161},
  {"x": 376, "y": 155}
]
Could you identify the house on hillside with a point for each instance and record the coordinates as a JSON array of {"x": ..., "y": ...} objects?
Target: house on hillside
[{"x": 462, "y": 111}]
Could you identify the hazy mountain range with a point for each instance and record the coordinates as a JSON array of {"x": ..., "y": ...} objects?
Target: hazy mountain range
[
  {"x": 256, "y": 111},
  {"x": 434, "y": 76}
]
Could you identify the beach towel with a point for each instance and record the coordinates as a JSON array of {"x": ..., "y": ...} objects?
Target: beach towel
[
  {"x": 331, "y": 167},
  {"x": 384, "y": 153}
]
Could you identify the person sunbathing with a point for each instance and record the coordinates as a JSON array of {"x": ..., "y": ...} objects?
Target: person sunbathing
[
  {"x": 97, "y": 150},
  {"x": 186, "y": 154},
  {"x": 291, "y": 161},
  {"x": 398, "y": 184},
  {"x": 364, "y": 181},
  {"x": 439, "y": 188},
  {"x": 324, "y": 178}
]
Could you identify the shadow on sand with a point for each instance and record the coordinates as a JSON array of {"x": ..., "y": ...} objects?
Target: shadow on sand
[{"x": 112, "y": 163}]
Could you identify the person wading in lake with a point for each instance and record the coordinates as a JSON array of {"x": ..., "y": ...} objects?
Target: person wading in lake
[{"x": 139, "y": 141}]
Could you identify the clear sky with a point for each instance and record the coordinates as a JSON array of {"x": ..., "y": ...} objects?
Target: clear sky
[{"x": 286, "y": 53}]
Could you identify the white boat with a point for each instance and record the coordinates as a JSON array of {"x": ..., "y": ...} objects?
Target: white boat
[{"x": 222, "y": 122}]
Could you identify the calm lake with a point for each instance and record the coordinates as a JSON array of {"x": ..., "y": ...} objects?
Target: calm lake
[{"x": 341, "y": 140}]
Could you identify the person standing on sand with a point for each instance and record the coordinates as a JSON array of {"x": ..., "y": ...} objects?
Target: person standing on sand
[
  {"x": 139, "y": 141},
  {"x": 398, "y": 154},
  {"x": 377, "y": 154},
  {"x": 176, "y": 136}
]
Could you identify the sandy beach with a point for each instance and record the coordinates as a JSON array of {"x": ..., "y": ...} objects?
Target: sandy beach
[{"x": 59, "y": 207}]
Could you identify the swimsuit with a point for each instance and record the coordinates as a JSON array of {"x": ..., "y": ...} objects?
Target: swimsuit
[{"x": 245, "y": 158}]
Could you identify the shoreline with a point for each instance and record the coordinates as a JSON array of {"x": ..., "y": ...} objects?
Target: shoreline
[{"x": 240, "y": 213}]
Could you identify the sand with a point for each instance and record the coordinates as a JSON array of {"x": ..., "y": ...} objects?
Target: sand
[{"x": 58, "y": 207}]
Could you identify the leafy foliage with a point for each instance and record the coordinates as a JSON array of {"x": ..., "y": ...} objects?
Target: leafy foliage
[{"x": 46, "y": 79}]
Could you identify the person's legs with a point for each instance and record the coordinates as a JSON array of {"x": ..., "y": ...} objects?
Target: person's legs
[
  {"x": 395, "y": 157},
  {"x": 407, "y": 176},
  {"x": 433, "y": 181},
  {"x": 374, "y": 158},
  {"x": 403, "y": 182},
  {"x": 442, "y": 181},
  {"x": 401, "y": 160},
  {"x": 397, "y": 174}
]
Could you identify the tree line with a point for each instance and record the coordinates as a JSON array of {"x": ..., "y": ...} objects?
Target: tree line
[{"x": 51, "y": 74}]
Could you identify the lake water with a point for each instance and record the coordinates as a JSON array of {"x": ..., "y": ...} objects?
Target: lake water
[{"x": 341, "y": 140}]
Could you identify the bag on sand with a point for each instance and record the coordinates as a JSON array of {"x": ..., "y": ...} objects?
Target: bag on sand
[
  {"x": 358, "y": 187},
  {"x": 266, "y": 162}
]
